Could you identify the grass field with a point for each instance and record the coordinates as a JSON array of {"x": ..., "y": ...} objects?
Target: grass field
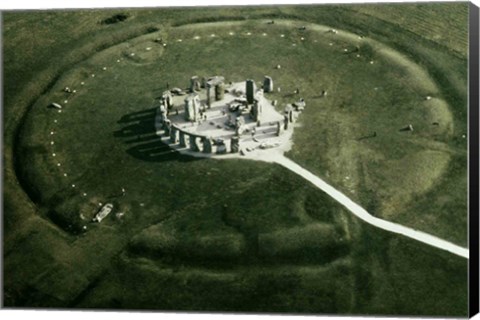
[{"x": 235, "y": 235}]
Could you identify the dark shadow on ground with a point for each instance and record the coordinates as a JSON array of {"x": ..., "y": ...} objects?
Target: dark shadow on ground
[{"x": 139, "y": 134}]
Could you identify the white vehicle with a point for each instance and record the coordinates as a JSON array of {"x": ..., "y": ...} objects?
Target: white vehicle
[{"x": 106, "y": 209}]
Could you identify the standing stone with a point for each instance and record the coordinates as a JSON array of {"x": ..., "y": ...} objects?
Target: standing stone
[
  {"x": 183, "y": 142},
  {"x": 285, "y": 122},
  {"x": 194, "y": 143},
  {"x": 268, "y": 84},
  {"x": 289, "y": 112},
  {"x": 208, "y": 96},
  {"x": 207, "y": 145},
  {"x": 279, "y": 128},
  {"x": 166, "y": 127},
  {"x": 219, "y": 91},
  {"x": 173, "y": 135},
  {"x": 192, "y": 107},
  {"x": 256, "y": 111},
  {"x": 235, "y": 144},
  {"x": 194, "y": 84},
  {"x": 250, "y": 90}
]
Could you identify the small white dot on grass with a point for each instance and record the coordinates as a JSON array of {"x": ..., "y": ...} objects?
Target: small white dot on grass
[
  {"x": 294, "y": 44},
  {"x": 65, "y": 174},
  {"x": 59, "y": 111},
  {"x": 73, "y": 186},
  {"x": 179, "y": 40},
  {"x": 264, "y": 34},
  {"x": 428, "y": 98},
  {"x": 371, "y": 62},
  {"x": 74, "y": 91},
  {"x": 196, "y": 37},
  {"x": 164, "y": 44},
  {"x": 212, "y": 35},
  {"x": 302, "y": 38},
  {"x": 345, "y": 50},
  {"x": 249, "y": 33},
  {"x": 59, "y": 164},
  {"x": 148, "y": 48},
  {"x": 282, "y": 36},
  {"x": 100, "y": 204},
  {"x": 54, "y": 155},
  {"x": 464, "y": 136},
  {"x": 51, "y": 132},
  {"x": 142, "y": 204},
  {"x": 231, "y": 33},
  {"x": 132, "y": 54},
  {"x": 82, "y": 83},
  {"x": 65, "y": 101},
  {"x": 52, "y": 143},
  {"x": 358, "y": 56},
  {"x": 330, "y": 44},
  {"x": 104, "y": 68},
  {"x": 55, "y": 121},
  {"x": 93, "y": 75},
  {"x": 84, "y": 194}
]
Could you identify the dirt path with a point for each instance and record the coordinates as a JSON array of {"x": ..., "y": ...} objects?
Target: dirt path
[{"x": 278, "y": 157}]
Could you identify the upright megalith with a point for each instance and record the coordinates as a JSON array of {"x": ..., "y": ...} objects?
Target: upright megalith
[
  {"x": 289, "y": 112},
  {"x": 173, "y": 134},
  {"x": 256, "y": 110},
  {"x": 213, "y": 82},
  {"x": 167, "y": 124},
  {"x": 268, "y": 84},
  {"x": 219, "y": 91},
  {"x": 166, "y": 100},
  {"x": 182, "y": 139},
  {"x": 192, "y": 107},
  {"x": 194, "y": 84},
  {"x": 194, "y": 143},
  {"x": 250, "y": 89},
  {"x": 235, "y": 144},
  {"x": 279, "y": 129},
  {"x": 207, "y": 144}
]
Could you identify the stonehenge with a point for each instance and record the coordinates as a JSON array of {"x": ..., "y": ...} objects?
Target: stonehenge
[{"x": 220, "y": 126}]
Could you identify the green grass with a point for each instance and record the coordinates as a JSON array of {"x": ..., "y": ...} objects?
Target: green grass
[{"x": 233, "y": 235}]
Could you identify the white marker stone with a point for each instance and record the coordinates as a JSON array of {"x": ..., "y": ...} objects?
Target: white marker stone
[
  {"x": 196, "y": 37},
  {"x": 65, "y": 174},
  {"x": 93, "y": 75},
  {"x": 52, "y": 143},
  {"x": 358, "y": 56},
  {"x": 371, "y": 62},
  {"x": 104, "y": 68},
  {"x": 282, "y": 36},
  {"x": 212, "y": 35},
  {"x": 73, "y": 186},
  {"x": 59, "y": 164},
  {"x": 148, "y": 48},
  {"x": 84, "y": 194},
  {"x": 231, "y": 33},
  {"x": 132, "y": 54},
  {"x": 55, "y": 121},
  {"x": 66, "y": 101},
  {"x": 82, "y": 83},
  {"x": 428, "y": 98},
  {"x": 74, "y": 91},
  {"x": 249, "y": 33},
  {"x": 118, "y": 60},
  {"x": 346, "y": 50},
  {"x": 59, "y": 111},
  {"x": 264, "y": 34},
  {"x": 51, "y": 132},
  {"x": 302, "y": 38}
]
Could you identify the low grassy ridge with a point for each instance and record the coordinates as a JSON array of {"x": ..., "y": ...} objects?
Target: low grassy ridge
[{"x": 238, "y": 235}]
